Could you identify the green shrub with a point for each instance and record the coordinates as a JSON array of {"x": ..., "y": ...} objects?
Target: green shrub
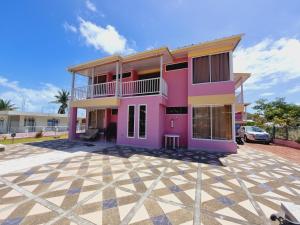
[{"x": 39, "y": 134}]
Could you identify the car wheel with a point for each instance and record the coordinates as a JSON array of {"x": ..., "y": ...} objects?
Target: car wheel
[
  {"x": 246, "y": 139},
  {"x": 267, "y": 142}
]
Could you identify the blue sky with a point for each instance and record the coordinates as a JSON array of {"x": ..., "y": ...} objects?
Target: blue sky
[{"x": 39, "y": 39}]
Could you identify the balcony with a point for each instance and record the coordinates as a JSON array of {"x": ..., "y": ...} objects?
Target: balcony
[{"x": 124, "y": 89}]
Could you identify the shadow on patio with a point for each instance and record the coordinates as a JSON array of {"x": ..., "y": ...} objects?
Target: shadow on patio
[{"x": 196, "y": 156}]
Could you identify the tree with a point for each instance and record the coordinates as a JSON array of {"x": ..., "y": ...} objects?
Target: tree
[
  {"x": 6, "y": 105},
  {"x": 278, "y": 112},
  {"x": 62, "y": 98}
]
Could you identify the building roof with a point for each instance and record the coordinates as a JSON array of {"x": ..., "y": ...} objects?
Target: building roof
[
  {"x": 214, "y": 46},
  {"x": 18, "y": 113}
]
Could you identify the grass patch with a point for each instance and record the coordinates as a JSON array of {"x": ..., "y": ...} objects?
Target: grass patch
[{"x": 31, "y": 139}]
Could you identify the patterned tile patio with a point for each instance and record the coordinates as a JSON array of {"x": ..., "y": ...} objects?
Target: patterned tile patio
[{"x": 124, "y": 185}]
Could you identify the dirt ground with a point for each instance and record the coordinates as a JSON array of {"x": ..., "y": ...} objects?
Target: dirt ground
[{"x": 283, "y": 151}]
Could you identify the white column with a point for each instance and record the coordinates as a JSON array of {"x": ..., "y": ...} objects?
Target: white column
[
  {"x": 73, "y": 86},
  {"x": 93, "y": 76},
  {"x": 117, "y": 79},
  {"x": 121, "y": 77},
  {"x": 242, "y": 93},
  {"x": 231, "y": 66},
  {"x": 161, "y": 73},
  {"x": 233, "y": 121}
]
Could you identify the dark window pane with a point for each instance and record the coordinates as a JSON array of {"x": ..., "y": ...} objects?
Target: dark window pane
[
  {"x": 124, "y": 75},
  {"x": 221, "y": 122},
  {"x": 177, "y": 66},
  {"x": 201, "y": 123},
  {"x": 176, "y": 110},
  {"x": 149, "y": 76},
  {"x": 201, "y": 70},
  {"x": 142, "y": 121},
  {"x": 220, "y": 67},
  {"x": 114, "y": 112},
  {"x": 130, "y": 130}
]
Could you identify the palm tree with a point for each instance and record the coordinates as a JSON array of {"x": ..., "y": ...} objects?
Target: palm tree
[
  {"x": 62, "y": 98},
  {"x": 6, "y": 105}
]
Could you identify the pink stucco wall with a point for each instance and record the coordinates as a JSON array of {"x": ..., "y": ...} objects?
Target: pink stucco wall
[
  {"x": 72, "y": 123},
  {"x": 154, "y": 119}
]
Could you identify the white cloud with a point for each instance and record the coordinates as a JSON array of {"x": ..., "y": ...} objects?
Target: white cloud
[
  {"x": 294, "y": 89},
  {"x": 267, "y": 94},
  {"x": 36, "y": 100},
  {"x": 269, "y": 61},
  {"x": 106, "y": 38},
  {"x": 91, "y": 6},
  {"x": 69, "y": 27}
]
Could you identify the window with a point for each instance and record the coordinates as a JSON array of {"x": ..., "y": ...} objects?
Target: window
[
  {"x": 124, "y": 75},
  {"x": 177, "y": 66},
  {"x": 142, "y": 121},
  {"x": 220, "y": 67},
  {"x": 52, "y": 123},
  {"x": 201, "y": 123},
  {"x": 30, "y": 122},
  {"x": 212, "y": 122},
  {"x": 114, "y": 111},
  {"x": 212, "y": 68},
  {"x": 149, "y": 76},
  {"x": 201, "y": 70},
  {"x": 176, "y": 110},
  {"x": 1, "y": 123},
  {"x": 99, "y": 79},
  {"x": 130, "y": 128}
]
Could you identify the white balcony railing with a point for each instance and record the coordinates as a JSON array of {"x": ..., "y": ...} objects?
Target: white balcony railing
[{"x": 130, "y": 88}]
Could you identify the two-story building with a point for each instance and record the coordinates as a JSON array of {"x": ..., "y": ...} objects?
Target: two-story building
[{"x": 189, "y": 91}]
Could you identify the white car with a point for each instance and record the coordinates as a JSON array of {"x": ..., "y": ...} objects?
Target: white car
[{"x": 255, "y": 134}]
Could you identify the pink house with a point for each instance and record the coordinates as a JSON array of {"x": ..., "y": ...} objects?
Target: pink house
[{"x": 188, "y": 92}]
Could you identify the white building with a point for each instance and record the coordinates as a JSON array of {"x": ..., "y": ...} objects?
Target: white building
[{"x": 24, "y": 122}]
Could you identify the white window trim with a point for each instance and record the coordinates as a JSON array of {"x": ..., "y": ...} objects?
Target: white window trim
[
  {"x": 128, "y": 121},
  {"x": 139, "y": 121},
  {"x": 209, "y": 60},
  {"x": 209, "y": 139}
]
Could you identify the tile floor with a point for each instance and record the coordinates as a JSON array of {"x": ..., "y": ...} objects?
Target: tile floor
[{"x": 124, "y": 185}]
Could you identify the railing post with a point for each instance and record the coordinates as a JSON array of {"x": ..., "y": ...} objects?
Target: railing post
[
  {"x": 161, "y": 72},
  {"x": 117, "y": 79}
]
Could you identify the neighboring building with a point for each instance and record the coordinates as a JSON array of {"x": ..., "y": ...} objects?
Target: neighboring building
[
  {"x": 188, "y": 91},
  {"x": 241, "y": 105},
  {"x": 24, "y": 122}
]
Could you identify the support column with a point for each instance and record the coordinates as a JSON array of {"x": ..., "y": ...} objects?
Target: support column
[
  {"x": 73, "y": 86},
  {"x": 242, "y": 93},
  {"x": 121, "y": 81},
  {"x": 72, "y": 123},
  {"x": 161, "y": 73},
  {"x": 233, "y": 121},
  {"x": 93, "y": 85},
  {"x": 117, "y": 79}
]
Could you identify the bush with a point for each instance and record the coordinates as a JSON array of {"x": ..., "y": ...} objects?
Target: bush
[
  {"x": 298, "y": 140},
  {"x": 39, "y": 134}
]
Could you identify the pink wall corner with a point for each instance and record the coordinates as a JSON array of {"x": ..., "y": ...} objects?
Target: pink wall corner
[
  {"x": 177, "y": 87},
  {"x": 217, "y": 88},
  {"x": 153, "y": 139},
  {"x": 72, "y": 123}
]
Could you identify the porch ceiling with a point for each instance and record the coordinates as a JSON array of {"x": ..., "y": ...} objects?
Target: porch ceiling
[{"x": 240, "y": 78}]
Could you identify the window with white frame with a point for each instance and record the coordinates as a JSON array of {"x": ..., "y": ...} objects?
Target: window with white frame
[
  {"x": 211, "y": 68},
  {"x": 142, "y": 121},
  {"x": 130, "y": 123},
  {"x": 1, "y": 123},
  {"x": 212, "y": 122},
  {"x": 52, "y": 122}
]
